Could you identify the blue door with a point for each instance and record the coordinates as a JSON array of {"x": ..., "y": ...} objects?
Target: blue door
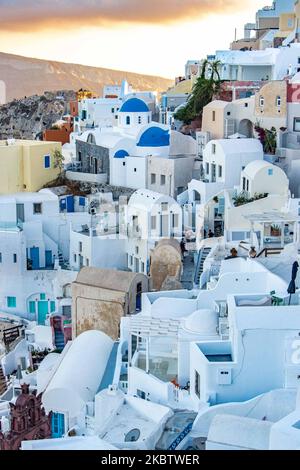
[
  {"x": 42, "y": 312},
  {"x": 48, "y": 258},
  {"x": 70, "y": 204},
  {"x": 35, "y": 257},
  {"x": 58, "y": 425}
]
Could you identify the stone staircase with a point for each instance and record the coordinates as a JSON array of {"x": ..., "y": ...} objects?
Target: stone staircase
[
  {"x": 203, "y": 254},
  {"x": 59, "y": 340},
  {"x": 62, "y": 262}
]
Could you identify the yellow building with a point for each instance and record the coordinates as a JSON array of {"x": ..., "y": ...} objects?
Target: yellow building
[{"x": 26, "y": 165}]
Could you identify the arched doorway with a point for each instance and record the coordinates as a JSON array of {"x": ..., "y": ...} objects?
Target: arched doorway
[{"x": 246, "y": 128}]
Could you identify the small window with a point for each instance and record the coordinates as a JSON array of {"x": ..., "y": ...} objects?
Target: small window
[
  {"x": 162, "y": 180},
  {"x": 175, "y": 220},
  {"x": 87, "y": 262},
  {"x": 37, "y": 208},
  {"x": 261, "y": 101},
  {"x": 0, "y": 257},
  {"x": 131, "y": 260},
  {"x": 52, "y": 306},
  {"x": 42, "y": 296},
  {"x": 296, "y": 124},
  {"x": 15, "y": 258},
  {"x": 47, "y": 161},
  {"x": 278, "y": 101},
  {"x": 246, "y": 105},
  {"x": 32, "y": 306},
  {"x": 220, "y": 171},
  {"x": 228, "y": 113},
  {"x": 112, "y": 110},
  {"x": 213, "y": 148},
  {"x": 11, "y": 302},
  {"x": 214, "y": 116},
  {"x": 128, "y": 120},
  {"x": 270, "y": 171},
  {"x": 153, "y": 178},
  {"x": 136, "y": 250},
  {"x": 197, "y": 384},
  {"x": 140, "y": 120},
  {"x": 124, "y": 164},
  {"x": 164, "y": 206},
  {"x": 134, "y": 170},
  {"x": 142, "y": 266},
  {"x": 207, "y": 168},
  {"x": 80, "y": 247},
  {"x": 153, "y": 222},
  {"x": 247, "y": 185},
  {"x": 244, "y": 183},
  {"x": 75, "y": 258}
]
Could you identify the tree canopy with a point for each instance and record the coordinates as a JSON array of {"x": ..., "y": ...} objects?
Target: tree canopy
[{"x": 206, "y": 87}]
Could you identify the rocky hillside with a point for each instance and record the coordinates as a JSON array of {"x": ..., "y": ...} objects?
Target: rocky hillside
[
  {"x": 28, "y": 117},
  {"x": 24, "y": 76}
]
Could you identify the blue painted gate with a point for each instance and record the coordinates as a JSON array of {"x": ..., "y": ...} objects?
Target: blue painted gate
[
  {"x": 35, "y": 257},
  {"x": 58, "y": 425},
  {"x": 48, "y": 258}
]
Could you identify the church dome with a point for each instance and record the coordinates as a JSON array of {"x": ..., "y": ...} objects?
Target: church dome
[
  {"x": 134, "y": 105},
  {"x": 202, "y": 321}
]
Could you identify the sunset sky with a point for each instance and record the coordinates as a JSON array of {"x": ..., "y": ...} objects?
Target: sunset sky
[{"x": 147, "y": 36}]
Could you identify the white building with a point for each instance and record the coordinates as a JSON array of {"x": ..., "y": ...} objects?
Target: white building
[
  {"x": 160, "y": 347},
  {"x": 260, "y": 177},
  {"x": 150, "y": 217},
  {"x": 119, "y": 154},
  {"x": 83, "y": 400},
  {"x": 34, "y": 241},
  {"x": 268, "y": 64}
]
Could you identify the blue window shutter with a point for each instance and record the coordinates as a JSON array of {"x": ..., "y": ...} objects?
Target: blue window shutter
[
  {"x": 11, "y": 302},
  {"x": 82, "y": 201},
  {"x": 32, "y": 307},
  {"x": 47, "y": 161}
]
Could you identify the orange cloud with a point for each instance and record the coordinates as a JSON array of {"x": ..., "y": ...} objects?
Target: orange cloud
[{"x": 38, "y": 14}]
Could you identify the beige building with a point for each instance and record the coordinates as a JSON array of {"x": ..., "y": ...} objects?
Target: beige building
[
  {"x": 222, "y": 119},
  {"x": 101, "y": 297},
  {"x": 271, "y": 105},
  {"x": 26, "y": 165},
  {"x": 166, "y": 266}
]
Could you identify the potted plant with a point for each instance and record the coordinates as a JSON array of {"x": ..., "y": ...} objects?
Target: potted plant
[{"x": 275, "y": 230}]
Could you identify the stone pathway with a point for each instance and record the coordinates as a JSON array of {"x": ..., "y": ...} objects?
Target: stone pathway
[{"x": 187, "y": 278}]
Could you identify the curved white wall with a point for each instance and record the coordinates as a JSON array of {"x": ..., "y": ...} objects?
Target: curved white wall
[{"x": 79, "y": 375}]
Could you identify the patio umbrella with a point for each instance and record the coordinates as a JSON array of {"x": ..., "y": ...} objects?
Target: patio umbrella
[{"x": 292, "y": 286}]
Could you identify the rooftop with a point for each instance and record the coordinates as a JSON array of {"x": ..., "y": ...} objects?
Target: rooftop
[
  {"x": 107, "y": 278},
  {"x": 134, "y": 105}
]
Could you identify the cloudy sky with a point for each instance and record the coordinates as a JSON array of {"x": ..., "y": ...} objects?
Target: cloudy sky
[{"x": 147, "y": 36}]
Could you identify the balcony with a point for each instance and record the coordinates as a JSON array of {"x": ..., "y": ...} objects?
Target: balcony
[{"x": 11, "y": 226}]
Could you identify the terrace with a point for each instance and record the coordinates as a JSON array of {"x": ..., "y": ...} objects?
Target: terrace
[{"x": 151, "y": 348}]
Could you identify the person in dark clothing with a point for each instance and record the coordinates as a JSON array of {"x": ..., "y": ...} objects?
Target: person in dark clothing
[
  {"x": 233, "y": 254},
  {"x": 182, "y": 247},
  {"x": 210, "y": 234}
]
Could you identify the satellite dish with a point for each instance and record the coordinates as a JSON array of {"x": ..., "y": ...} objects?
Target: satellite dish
[{"x": 133, "y": 435}]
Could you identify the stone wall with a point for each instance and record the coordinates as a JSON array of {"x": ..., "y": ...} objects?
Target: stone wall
[{"x": 86, "y": 153}]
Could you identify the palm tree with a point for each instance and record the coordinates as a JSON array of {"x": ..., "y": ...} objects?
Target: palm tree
[
  {"x": 215, "y": 69},
  {"x": 203, "y": 92}
]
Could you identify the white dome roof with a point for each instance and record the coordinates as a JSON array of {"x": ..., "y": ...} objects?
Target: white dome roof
[{"x": 202, "y": 321}]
